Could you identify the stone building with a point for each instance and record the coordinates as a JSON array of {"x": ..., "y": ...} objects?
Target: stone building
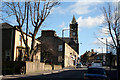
[
  {"x": 57, "y": 51},
  {"x": 88, "y": 56},
  {"x": 73, "y": 39},
  {"x": 106, "y": 59},
  {"x": 13, "y": 47}
]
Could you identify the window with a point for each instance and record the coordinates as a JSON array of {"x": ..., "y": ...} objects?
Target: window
[
  {"x": 19, "y": 55},
  {"x": 7, "y": 58},
  {"x": 7, "y": 55},
  {"x": 20, "y": 40},
  {"x": 20, "y": 37},
  {"x": 60, "y": 48},
  {"x": 59, "y": 58}
]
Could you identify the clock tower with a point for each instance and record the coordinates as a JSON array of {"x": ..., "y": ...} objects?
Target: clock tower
[{"x": 74, "y": 35}]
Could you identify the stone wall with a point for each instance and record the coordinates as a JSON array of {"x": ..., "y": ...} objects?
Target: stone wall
[
  {"x": 34, "y": 67},
  {"x": 47, "y": 67},
  {"x": 57, "y": 67},
  {"x": 26, "y": 67}
]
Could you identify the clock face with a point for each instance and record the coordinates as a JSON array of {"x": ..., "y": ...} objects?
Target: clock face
[{"x": 73, "y": 33}]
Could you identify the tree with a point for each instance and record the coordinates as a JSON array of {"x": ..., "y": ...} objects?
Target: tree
[
  {"x": 47, "y": 52},
  {"x": 112, "y": 22},
  {"x": 39, "y": 11},
  {"x": 38, "y": 16}
]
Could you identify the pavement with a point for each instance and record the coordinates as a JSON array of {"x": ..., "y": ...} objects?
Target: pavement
[{"x": 34, "y": 74}]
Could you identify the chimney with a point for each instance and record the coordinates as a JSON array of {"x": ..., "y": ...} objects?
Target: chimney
[{"x": 48, "y": 33}]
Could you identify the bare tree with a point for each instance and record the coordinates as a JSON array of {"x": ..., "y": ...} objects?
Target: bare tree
[
  {"x": 47, "y": 52},
  {"x": 38, "y": 16},
  {"x": 112, "y": 21},
  {"x": 39, "y": 11},
  {"x": 19, "y": 11}
]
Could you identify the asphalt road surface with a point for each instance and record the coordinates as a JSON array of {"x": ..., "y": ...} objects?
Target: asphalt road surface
[{"x": 74, "y": 74}]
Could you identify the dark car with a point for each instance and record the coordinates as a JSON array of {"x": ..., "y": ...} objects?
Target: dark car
[
  {"x": 79, "y": 66},
  {"x": 88, "y": 65},
  {"x": 95, "y": 73}
]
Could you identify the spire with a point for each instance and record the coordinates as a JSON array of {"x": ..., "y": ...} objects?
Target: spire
[{"x": 73, "y": 20}]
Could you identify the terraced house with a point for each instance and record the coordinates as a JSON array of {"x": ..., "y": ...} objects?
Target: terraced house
[{"x": 13, "y": 47}]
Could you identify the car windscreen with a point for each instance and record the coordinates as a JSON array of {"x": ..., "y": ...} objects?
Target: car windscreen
[{"x": 96, "y": 71}]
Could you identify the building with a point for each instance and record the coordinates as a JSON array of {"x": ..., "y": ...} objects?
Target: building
[
  {"x": 73, "y": 39},
  {"x": 106, "y": 59},
  {"x": 13, "y": 47},
  {"x": 57, "y": 51},
  {"x": 88, "y": 56}
]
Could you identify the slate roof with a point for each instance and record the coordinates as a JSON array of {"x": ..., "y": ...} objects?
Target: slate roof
[{"x": 6, "y": 26}]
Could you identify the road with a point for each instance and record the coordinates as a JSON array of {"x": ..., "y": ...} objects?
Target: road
[{"x": 74, "y": 74}]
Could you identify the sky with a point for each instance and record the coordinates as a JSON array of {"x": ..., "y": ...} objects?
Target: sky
[{"x": 89, "y": 18}]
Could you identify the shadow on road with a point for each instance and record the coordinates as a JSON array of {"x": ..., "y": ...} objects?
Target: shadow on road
[{"x": 70, "y": 75}]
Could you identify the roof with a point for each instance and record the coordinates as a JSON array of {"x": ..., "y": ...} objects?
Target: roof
[
  {"x": 73, "y": 20},
  {"x": 6, "y": 26},
  {"x": 66, "y": 39}
]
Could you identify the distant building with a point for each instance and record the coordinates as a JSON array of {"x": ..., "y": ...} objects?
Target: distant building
[
  {"x": 88, "y": 56},
  {"x": 13, "y": 47},
  {"x": 73, "y": 39},
  {"x": 106, "y": 58},
  {"x": 57, "y": 51}
]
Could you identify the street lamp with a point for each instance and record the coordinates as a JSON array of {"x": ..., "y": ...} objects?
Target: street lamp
[
  {"x": 106, "y": 48},
  {"x": 101, "y": 49},
  {"x": 63, "y": 32},
  {"x": 106, "y": 45},
  {"x": 102, "y": 52}
]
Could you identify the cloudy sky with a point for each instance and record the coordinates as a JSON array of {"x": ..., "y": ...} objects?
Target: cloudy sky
[{"x": 89, "y": 16}]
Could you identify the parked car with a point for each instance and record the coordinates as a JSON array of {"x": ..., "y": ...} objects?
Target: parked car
[
  {"x": 79, "y": 66},
  {"x": 96, "y": 64},
  {"x": 88, "y": 65},
  {"x": 95, "y": 73}
]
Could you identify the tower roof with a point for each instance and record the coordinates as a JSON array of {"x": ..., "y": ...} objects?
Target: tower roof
[{"x": 73, "y": 20}]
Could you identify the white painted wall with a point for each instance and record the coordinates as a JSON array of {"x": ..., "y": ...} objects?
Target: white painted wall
[
  {"x": 17, "y": 34},
  {"x": 68, "y": 61}
]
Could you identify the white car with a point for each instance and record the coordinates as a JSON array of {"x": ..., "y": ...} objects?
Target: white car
[{"x": 96, "y": 64}]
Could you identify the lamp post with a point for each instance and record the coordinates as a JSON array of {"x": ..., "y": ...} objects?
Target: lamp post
[
  {"x": 101, "y": 49},
  {"x": 106, "y": 45},
  {"x": 102, "y": 53},
  {"x": 63, "y": 32},
  {"x": 106, "y": 49}
]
